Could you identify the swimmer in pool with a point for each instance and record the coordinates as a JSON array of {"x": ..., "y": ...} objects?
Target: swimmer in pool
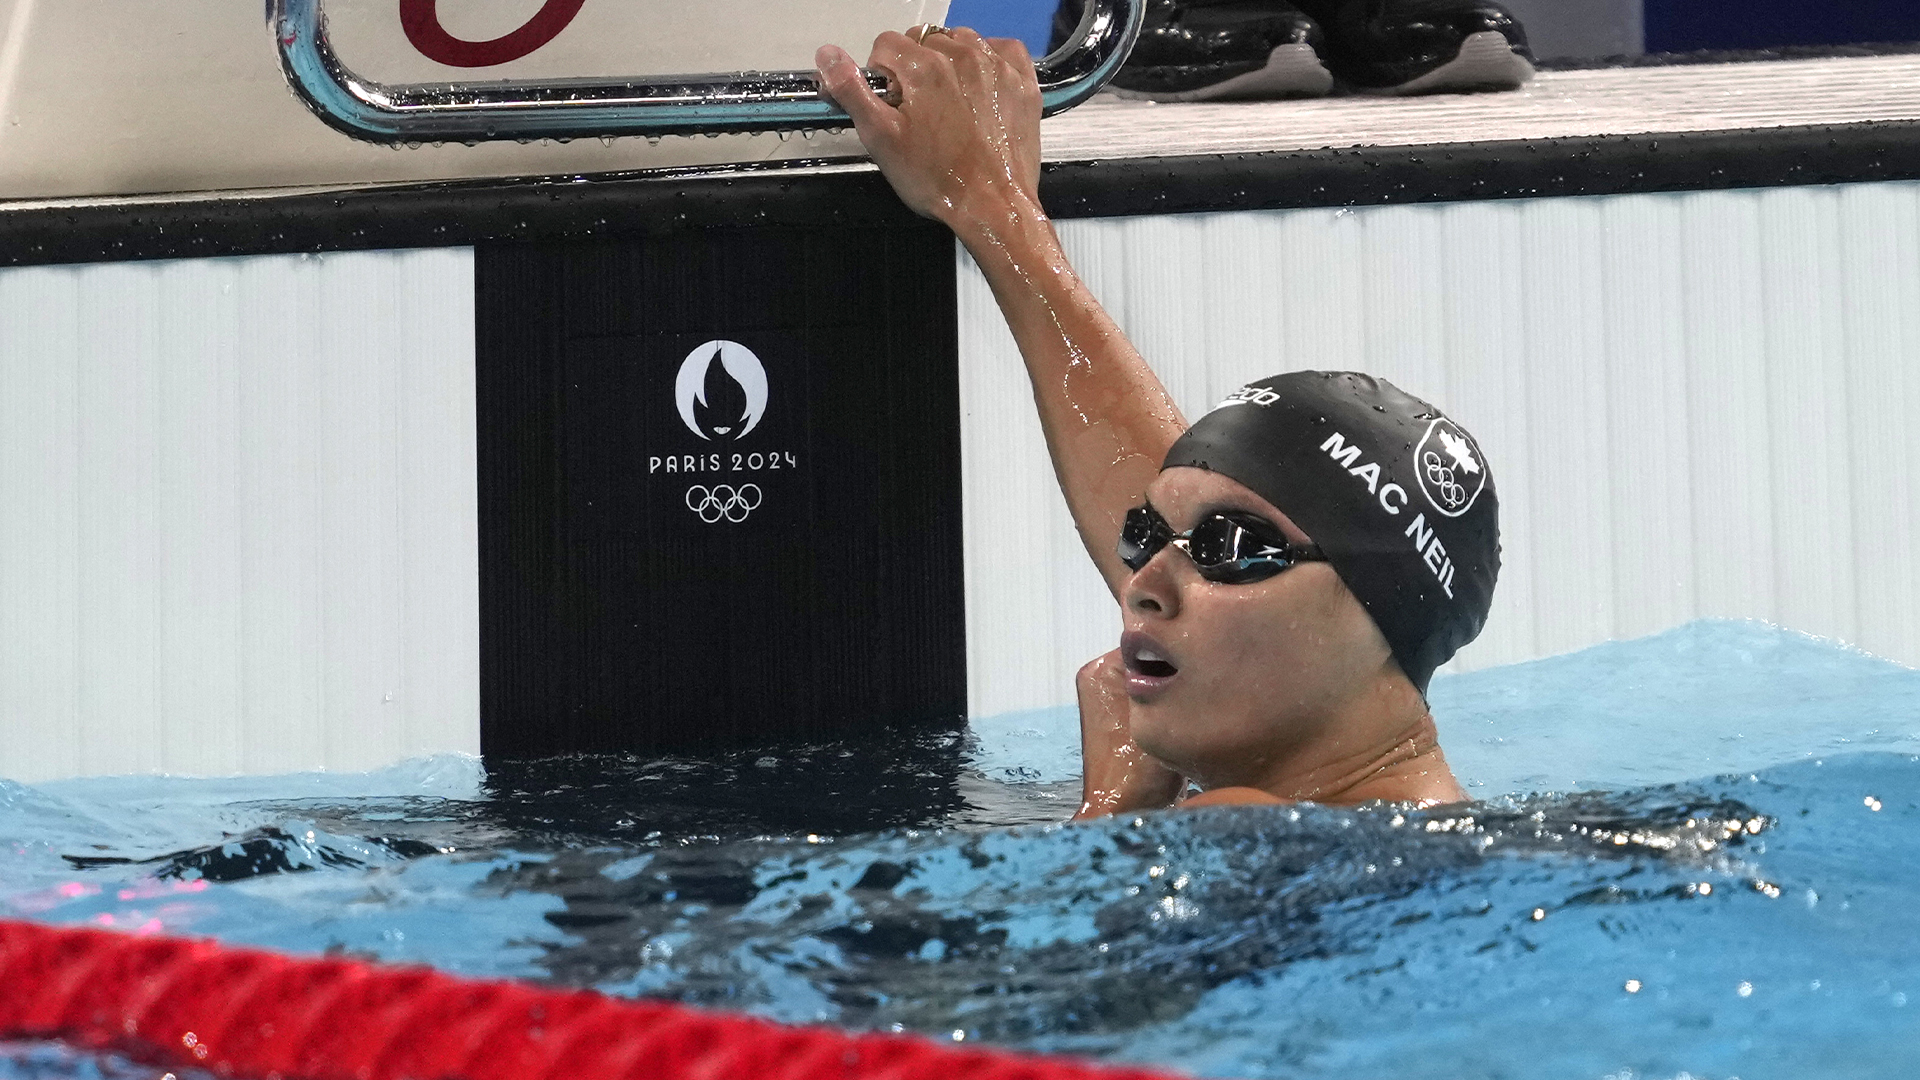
[{"x": 1291, "y": 568}]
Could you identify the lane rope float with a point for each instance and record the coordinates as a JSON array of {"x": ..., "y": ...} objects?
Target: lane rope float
[{"x": 249, "y": 1013}]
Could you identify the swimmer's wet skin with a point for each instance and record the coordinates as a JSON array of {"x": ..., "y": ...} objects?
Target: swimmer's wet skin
[{"x": 1280, "y": 656}]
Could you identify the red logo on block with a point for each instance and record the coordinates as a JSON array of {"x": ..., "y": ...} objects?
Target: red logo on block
[{"x": 421, "y": 20}]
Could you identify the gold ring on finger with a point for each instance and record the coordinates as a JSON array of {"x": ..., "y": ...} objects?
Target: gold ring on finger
[{"x": 929, "y": 29}]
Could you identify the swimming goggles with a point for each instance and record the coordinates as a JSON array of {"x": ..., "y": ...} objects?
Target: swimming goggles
[{"x": 1226, "y": 547}]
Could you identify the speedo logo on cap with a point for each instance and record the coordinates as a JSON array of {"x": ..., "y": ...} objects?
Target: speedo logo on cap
[
  {"x": 1250, "y": 395},
  {"x": 1393, "y": 499}
]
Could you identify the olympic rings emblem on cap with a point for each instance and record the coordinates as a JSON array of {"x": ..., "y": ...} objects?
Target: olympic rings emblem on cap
[
  {"x": 1450, "y": 469},
  {"x": 723, "y": 501},
  {"x": 1440, "y": 475}
]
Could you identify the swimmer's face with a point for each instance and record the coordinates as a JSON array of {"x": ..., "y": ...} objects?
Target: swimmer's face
[{"x": 1260, "y": 670}]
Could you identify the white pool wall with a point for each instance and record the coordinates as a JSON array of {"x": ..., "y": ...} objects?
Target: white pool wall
[
  {"x": 1695, "y": 405},
  {"x": 237, "y": 514},
  {"x": 238, "y": 522}
]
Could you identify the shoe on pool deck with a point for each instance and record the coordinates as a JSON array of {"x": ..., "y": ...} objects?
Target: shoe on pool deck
[
  {"x": 1422, "y": 46},
  {"x": 1217, "y": 50}
]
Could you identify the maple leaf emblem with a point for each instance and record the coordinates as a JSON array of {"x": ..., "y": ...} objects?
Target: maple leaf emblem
[{"x": 1461, "y": 453}]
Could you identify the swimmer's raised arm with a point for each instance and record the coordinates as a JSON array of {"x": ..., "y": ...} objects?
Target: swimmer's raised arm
[{"x": 963, "y": 147}]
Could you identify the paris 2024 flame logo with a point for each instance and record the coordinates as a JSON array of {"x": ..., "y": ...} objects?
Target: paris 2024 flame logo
[
  {"x": 721, "y": 390},
  {"x": 720, "y": 393}
]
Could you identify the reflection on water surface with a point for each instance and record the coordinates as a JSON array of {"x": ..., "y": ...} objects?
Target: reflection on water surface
[{"x": 1729, "y": 925}]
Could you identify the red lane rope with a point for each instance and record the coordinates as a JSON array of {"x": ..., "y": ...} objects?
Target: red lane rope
[{"x": 261, "y": 1015}]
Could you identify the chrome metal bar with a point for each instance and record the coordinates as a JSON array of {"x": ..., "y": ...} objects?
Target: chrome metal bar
[{"x": 645, "y": 105}]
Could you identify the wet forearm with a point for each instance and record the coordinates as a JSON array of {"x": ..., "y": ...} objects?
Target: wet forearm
[{"x": 1107, "y": 418}]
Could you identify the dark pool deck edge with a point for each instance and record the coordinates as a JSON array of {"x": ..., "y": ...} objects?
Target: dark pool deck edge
[{"x": 815, "y": 194}]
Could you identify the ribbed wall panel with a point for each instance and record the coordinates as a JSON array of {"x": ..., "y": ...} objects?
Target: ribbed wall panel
[
  {"x": 237, "y": 519},
  {"x": 1696, "y": 405},
  {"x": 1881, "y": 315}
]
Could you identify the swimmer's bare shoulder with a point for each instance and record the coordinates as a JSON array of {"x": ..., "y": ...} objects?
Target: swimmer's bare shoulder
[
  {"x": 1231, "y": 796},
  {"x": 1246, "y": 796}
]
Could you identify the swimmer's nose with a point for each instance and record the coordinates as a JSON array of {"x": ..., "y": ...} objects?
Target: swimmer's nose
[{"x": 1152, "y": 590}]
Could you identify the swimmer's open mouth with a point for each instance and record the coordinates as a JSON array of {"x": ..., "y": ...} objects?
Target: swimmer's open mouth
[
  {"x": 1150, "y": 665},
  {"x": 1145, "y": 656}
]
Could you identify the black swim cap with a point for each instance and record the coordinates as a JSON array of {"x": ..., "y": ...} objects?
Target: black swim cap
[{"x": 1397, "y": 495}]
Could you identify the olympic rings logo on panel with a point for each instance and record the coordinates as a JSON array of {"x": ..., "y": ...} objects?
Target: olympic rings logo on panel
[{"x": 723, "y": 501}]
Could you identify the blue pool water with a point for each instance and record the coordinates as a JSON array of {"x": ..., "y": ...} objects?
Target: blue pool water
[{"x": 1695, "y": 855}]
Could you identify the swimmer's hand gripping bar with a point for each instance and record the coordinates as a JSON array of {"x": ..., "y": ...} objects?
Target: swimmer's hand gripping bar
[{"x": 647, "y": 105}]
